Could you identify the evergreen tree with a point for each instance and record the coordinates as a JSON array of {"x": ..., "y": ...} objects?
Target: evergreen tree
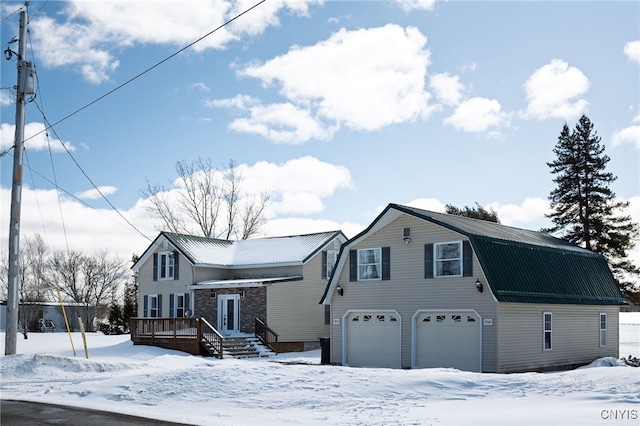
[
  {"x": 130, "y": 308},
  {"x": 477, "y": 212},
  {"x": 115, "y": 317},
  {"x": 584, "y": 209}
]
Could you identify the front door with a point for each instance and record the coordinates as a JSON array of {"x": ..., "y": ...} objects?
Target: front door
[{"x": 228, "y": 314}]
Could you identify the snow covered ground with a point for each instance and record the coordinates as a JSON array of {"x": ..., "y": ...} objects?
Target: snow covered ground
[{"x": 296, "y": 389}]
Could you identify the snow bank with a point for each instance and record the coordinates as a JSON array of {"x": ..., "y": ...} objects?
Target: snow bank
[{"x": 296, "y": 389}]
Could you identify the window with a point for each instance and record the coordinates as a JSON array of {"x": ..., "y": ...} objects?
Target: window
[
  {"x": 603, "y": 329},
  {"x": 332, "y": 256},
  {"x": 453, "y": 259},
  {"x": 152, "y": 306},
  {"x": 179, "y": 305},
  {"x": 546, "y": 329},
  {"x": 166, "y": 265},
  {"x": 448, "y": 259},
  {"x": 369, "y": 264}
]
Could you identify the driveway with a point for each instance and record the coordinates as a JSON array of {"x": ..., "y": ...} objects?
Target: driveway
[{"x": 35, "y": 413}]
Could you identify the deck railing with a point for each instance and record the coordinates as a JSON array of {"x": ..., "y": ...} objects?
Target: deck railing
[
  {"x": 164, "y": 328},
  {"x": 267, "y": 336},
  {"x": 211, "y": 337},
  {"x": 187, "y": 334}
]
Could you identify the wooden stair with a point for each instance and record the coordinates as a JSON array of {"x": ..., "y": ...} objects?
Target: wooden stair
[{"x": 247, "y": 346}]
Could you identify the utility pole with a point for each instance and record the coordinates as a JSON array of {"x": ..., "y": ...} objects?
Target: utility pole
[{"x": 25, "y": 87}]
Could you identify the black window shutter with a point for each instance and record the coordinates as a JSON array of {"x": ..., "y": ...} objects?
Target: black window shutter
[
  {"x": 175, "y": 264},
  {"x": 146, "y": 306},
  {"x": 327, "y": 314},
  {"x": 171, "y": 305},
  {"x": 324, "y": 264},
  {"x": 467, "y": 259},
  {"x": 353, "y": 265},
  {"x": 159, "y": 305},
  {"x": 386, "y": 263},
  {"x": 428, "y": 260},
  {"x": 155, "y": 266}
]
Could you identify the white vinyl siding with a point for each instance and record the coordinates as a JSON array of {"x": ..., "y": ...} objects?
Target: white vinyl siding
[
  {"x": 575, "y": 338},
  {"x": 292, "y": 307},
  {"x": 406, "y": 292},
  {"x": 603, "y": 329}
]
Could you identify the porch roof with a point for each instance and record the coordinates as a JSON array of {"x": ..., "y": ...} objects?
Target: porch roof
[{"x": 245, "y": 282}]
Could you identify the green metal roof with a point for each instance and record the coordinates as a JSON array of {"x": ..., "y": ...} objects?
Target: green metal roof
[{"x": 525, "y": 266}]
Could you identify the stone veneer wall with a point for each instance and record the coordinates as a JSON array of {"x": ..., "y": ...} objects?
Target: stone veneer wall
[{"x": 252, "y": 305}]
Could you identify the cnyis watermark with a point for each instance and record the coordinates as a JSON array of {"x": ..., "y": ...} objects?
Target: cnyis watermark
[{"x": 619, "y": 415}]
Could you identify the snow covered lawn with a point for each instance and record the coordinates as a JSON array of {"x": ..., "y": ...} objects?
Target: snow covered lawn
[{"x": 296, "y": 389}]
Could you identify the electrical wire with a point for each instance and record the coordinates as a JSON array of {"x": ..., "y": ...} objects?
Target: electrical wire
[
  {"x": 157, "y": 64},
  {"x": 46, "y": 122},
  {"x": 49, "y": 125}
]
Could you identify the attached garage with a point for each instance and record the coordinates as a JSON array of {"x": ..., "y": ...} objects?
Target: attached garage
[
  {"x": 372, "y": 339},
  {"x": 448, "y": 339}
]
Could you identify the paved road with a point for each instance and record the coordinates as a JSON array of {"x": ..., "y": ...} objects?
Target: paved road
[{"x": 34, "y": 413}]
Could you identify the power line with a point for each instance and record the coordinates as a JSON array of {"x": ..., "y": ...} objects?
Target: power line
[
  {"x": 148, "y": 69},
  {"x": 86, "y": 175}
]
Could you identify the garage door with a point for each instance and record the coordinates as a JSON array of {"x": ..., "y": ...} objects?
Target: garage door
[
  {"x": 448, "y": 339},
  {"x": 373, "y": 339}
]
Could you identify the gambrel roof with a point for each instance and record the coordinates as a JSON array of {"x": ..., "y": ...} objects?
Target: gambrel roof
[
  {"x": 256, "y": 252},
  {"x": 520, "y": 266}
]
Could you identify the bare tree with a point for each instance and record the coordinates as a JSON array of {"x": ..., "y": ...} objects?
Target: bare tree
[
  {"x": 33, "y": 289},
  {"x": 209, "y": 200},
  {"x": 87, "y": 280},
  {"x": 65, "y": 274},
  {"x": 253, "y": 215}
]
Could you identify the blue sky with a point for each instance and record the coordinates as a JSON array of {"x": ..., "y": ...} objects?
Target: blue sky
[{"x": 338, "y": 107}]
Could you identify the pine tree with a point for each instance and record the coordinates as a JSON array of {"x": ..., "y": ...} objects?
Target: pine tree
[
  {"x": 477, "y": 212},
  {"x": 584, "y": 209}
]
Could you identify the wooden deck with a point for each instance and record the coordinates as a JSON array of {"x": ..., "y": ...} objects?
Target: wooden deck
[{"x": 192, "y": 335}]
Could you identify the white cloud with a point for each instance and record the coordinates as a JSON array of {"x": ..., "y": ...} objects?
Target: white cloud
[
  {"x": 477, "y": 115},
  {"x": 553, "y": 91},
  {"x": 82, "y": 228},
  {"x": 94, "y": 194},
  {"x": 200, "y": 87},
  {"x": 431, "y": 204},
  {"x": 283, "y": 123},
  {"x": 295, "y": 185},
  {"x": 85, "y": 33},
  {"x": 240, "y": 102},
  {"x": 629, "y": 135},
  {"x": 447, "y": 88},
  {"x": 5, "y": 98},
  {"x": 338, "y": 80},
  {"x": 35, "y": 136},
  {"x": 296, "y": 226},
  {"x": 530, "y": 214},
  {"x": 632, "y": 50},
  {"x": 409, "y": 5}
]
